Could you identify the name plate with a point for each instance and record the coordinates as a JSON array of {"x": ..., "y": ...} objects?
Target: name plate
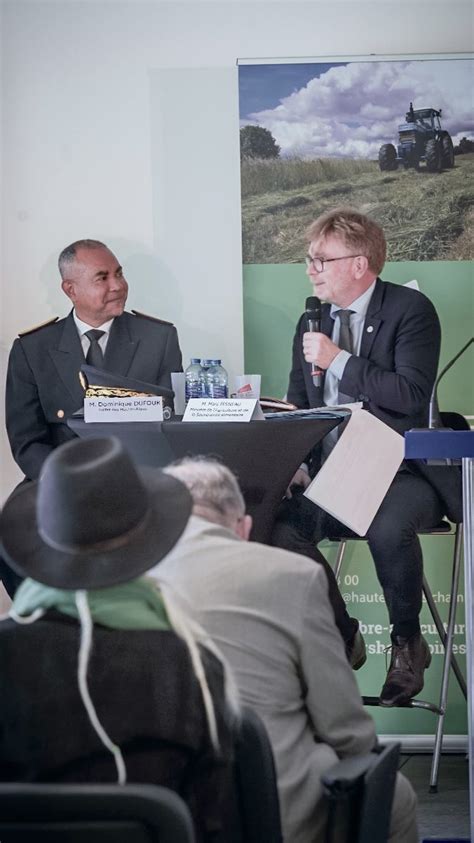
[
  {"x": 108, "y": 409},
  {"x": 223, "y": 409}
]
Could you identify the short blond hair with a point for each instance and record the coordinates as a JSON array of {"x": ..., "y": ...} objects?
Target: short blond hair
[{"x": 360, "y": 234}]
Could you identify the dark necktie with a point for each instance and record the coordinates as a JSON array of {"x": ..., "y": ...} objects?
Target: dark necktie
[
  {"x": 345, "y": 336},
  {"x": 94, "y": 356},
  {"x": 345, "y": 344}
]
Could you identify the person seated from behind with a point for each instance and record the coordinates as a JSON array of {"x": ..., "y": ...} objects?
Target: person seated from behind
[
  {"x": 96, "y": 681},
  {"x": 268, "y": 612}
]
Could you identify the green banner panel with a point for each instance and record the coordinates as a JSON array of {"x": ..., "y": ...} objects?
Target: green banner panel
[
  {"x": 275, "y": 295},
  {"x": 365, "y": 601}
]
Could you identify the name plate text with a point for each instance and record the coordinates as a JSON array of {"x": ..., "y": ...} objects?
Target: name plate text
[
  {"x": 222, "y": 409},
  {"x": 109, "y": 409}
]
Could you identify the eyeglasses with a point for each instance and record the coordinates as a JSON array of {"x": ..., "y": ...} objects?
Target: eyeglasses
[{"x": 318, "y": 263}]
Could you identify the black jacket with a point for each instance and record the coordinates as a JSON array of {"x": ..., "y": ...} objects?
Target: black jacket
[
  {"x": 393, "y": 375},
  {"x": 43, "y": 388},
  {"x": 146, "y": 696}
]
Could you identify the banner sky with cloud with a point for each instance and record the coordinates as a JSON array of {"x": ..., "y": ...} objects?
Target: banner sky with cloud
[{"x": 350, "y": 109}]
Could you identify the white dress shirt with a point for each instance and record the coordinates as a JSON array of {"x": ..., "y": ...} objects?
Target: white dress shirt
[
  {"x": 82, "y": 327},
  {"x": 335, "y": 371}
]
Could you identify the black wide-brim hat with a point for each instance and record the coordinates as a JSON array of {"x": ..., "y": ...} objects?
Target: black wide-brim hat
[{"x": 93, "y": 519}]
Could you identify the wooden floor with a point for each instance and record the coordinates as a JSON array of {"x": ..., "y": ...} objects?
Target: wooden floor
[{"x": 445, "y": 814}]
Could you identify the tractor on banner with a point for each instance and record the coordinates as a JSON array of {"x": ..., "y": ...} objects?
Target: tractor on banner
[{"x": 421, "y": 140}]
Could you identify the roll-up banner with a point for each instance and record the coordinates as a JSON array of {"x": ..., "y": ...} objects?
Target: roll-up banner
[{"x": 392, "y": 136}]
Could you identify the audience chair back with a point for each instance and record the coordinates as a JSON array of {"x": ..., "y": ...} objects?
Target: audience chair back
[
  {"x": 255, "y": 782},
  {"x": 360, "y": 793},
  {"x": 93, "y": 813}
]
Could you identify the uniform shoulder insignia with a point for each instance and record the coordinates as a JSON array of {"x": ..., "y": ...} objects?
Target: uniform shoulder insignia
[
  {"x": 151, "y": 318},
  {"x": 38, "y": 327}
]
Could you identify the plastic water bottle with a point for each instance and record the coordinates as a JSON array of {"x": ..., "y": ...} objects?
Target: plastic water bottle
[
  {"x": 215, "y": 380},
  {"x": 192, "y": 380},
  {"x": 205, "y": 365}
]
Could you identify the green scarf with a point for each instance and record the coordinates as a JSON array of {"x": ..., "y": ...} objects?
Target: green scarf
[{"x": 133, "y": 605}]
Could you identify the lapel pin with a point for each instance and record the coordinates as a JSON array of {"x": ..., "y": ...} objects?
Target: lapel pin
[
  {"x": 60, "y": 414},
  {"x": 370, "y": 329}
]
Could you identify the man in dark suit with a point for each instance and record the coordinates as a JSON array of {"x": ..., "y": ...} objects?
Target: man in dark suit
[
  {"x": 43, "y": 388},
  {"x": 379, "y": 344}
]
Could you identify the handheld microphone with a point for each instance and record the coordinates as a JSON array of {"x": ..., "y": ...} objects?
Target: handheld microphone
[
  {"x": 434, "y": 416},
  {"x": 313, "y": 316}
]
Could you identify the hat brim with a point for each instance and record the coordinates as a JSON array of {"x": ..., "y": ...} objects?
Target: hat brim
[{"x": 107, "y": 564}]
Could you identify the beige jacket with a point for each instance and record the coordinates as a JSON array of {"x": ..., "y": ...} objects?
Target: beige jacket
[{"x": 269, "y": 613}]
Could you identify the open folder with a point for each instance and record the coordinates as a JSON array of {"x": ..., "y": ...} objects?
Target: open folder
[{"x": 355, "y": 477}]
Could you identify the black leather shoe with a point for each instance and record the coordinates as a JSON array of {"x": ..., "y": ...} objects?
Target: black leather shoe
[{"x": 410, "y": 657}]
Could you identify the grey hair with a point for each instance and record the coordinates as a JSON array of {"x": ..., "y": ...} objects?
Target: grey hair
[
  {"x": 68, "y": 255},
  {"x": 193, "y": 634},
  {"x": 85, "y": 647},
  {"x": 212, "y": 486}
]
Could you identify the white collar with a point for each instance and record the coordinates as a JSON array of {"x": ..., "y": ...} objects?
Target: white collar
[
  {"x": 359, "y": 305},
  {"x": 82, "y": 327}
]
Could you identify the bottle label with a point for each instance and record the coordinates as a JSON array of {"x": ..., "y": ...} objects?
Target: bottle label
[
  {"x": 193, "y": 390},
  {"x": 216, "y": 390}
]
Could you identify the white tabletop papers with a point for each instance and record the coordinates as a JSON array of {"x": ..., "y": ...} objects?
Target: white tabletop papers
[{"x": 354, "y": 479}]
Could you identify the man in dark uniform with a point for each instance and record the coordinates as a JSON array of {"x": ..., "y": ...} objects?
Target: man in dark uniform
[
  {"x": 379, "y": 344},
  {"x": 43, "y": 387}
]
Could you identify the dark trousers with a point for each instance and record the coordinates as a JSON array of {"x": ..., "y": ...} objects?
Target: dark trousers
[{"x": 410, "y": 505}]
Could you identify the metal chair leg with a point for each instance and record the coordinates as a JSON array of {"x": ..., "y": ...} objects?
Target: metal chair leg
[
  {"x": 446, "y": 637},
  {"x": 449, "y": 660},
  {"x": 339, "y": 557},
  {"x": 442, "y": 634}
]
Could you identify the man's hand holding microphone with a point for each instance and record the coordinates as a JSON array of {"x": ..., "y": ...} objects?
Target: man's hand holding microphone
[{"x": 318, "y": 349}]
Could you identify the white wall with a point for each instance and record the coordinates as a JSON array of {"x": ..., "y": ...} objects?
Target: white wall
[{"x": 120, "y": 121}]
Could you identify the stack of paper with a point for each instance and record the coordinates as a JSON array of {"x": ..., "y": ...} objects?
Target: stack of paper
[{"x": 358, "y": 472}]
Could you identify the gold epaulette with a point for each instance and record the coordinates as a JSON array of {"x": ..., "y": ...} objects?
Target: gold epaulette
[
  {"x": 151, "y": 318},
  {"x": 38, "y": 327},
  {"x": 114, "y": 392}
]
